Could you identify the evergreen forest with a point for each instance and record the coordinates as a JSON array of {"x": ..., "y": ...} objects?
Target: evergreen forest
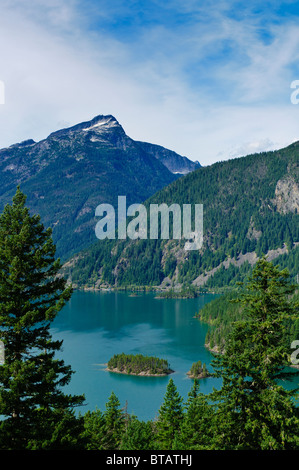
[
  {"x": 139, "y": 364},
  {"x": 243, "y": 219},
  {"x": 250, "y": 411}
]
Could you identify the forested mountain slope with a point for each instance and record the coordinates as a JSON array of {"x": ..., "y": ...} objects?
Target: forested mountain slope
[
  {"x": 250, "y": 207},
  {"x": 67, "y": 175}
]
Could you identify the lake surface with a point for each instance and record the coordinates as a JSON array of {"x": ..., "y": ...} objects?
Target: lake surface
[{"x": 96, "y": 325}]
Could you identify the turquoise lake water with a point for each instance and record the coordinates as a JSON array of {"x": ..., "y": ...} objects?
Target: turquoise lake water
[{"x": 96, "y": 325}]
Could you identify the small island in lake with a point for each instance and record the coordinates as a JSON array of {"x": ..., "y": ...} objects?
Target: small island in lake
[
  {"x": 137, "y": 364},
  {"x": 184, "y": 293},
  {"x": 198, "y": 371}
]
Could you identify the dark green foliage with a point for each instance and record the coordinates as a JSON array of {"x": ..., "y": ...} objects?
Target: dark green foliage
[
  {"x": 290, "y": 261},
  {"x": 196, "y": 429},
  {"x": 170, "y": 266},
  {"x": 170, "y": 418},
  {"x": 186, "y": 292},
  {"x": 31, "y": 295},
  {"x": 254, "y": 411},
  {"x": 136, "y": 364},
  {"x": 222, "y": 312},
  {"x": 61, "y": 431},
  {"x": 138, "y": 435},
  {"x": 240, "y": 217},
  {"x": 227, "y": 278},
  {"x": 114, "y": 423},
  {"x": 198, "y": 370},
  {"x": 94, "y": 432},
  {"x": 251, "y": 410}
]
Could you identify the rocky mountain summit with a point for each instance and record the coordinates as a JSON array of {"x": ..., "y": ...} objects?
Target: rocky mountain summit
[{"x": 68, "y": 174}]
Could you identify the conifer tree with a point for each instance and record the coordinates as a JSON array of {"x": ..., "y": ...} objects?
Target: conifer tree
[
  {"x": 137, "y": 436},
  {"x": 32, "y": 402},
  {"x": 114, "y": 423},
  {"x": 196, "y": 428},
  {"x": 254, "y": 411},
  {"x": 170, "y": 417},
  {"x": 94, "y": 430}
]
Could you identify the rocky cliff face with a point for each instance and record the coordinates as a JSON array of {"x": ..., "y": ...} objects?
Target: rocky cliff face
[{"x": 287, "y": 195}]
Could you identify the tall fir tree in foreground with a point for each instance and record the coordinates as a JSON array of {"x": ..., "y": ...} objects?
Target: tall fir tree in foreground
[
  {"x": 253, "y": 410},
  {"x": 36, "y": 413},
  {"x": 196, "y": 427},
  {"x": 170, "y": 418},
  {"x": 114, "y": 423},
  {"x": 138, "y": 435}
]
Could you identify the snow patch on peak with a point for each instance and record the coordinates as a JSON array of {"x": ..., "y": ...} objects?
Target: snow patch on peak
[
  {"x": 97, "y": 124},
  {"x": 102, "y": 122}
]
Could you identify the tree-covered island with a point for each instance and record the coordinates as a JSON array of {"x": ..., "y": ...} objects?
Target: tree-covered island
[
  {"x": 251, "y": 410},
  {"x": 198, "y": 371},
  {"x": 137, "y": 364}
]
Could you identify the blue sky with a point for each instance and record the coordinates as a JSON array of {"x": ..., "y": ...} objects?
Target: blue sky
[{"x": 210, "y": 80}]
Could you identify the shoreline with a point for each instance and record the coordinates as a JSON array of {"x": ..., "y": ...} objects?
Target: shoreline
[
  {"x": 200, "y": 376},
  {"x": 140, "y": 374}
]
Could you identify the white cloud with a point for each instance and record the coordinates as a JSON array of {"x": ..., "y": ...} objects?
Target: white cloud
[{"x": 163, "y": 89}]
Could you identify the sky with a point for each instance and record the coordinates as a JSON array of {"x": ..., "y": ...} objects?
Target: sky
[{"x": 211, "y": 80}]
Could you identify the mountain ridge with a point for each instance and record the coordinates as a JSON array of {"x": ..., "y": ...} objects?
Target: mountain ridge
[
  {"x": 251, "y": 207},
  {"x": 173, "y": 161},
  {"x": 66, "y": 175}
]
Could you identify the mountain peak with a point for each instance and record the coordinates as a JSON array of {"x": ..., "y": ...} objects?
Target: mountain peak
[
  {"x": 97, "y": 124},
  {"x": 100, "y": 122}
]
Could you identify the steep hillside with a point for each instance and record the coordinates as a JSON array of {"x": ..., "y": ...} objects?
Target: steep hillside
[
  {"x": 250, "y": 207},
  {"x": 221, "y": 313},
  {"x": 66, "y": 176}
]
